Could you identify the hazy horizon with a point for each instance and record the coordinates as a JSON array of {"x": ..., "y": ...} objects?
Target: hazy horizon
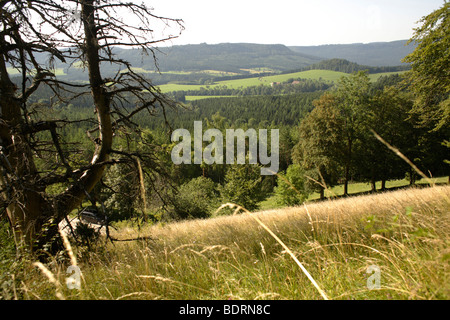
[
  {"x": 317, "y": 45},
  {"x": 294, "y": 23}
]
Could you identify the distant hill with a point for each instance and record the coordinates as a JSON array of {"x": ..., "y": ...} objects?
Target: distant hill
[
  {"x": 370, "y": 54},
  {"x": 232, "y": 57},
  {"x": 235, "y": 58},
  {"x": 202, "y": 63}
]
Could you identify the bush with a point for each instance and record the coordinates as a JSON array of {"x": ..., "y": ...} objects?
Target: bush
[
  {"x": 291, "y": 186},
  {"x": 195, "y": 199},
  {"x": 121, "y": 196},
  {"x": 243, "y": 186}
]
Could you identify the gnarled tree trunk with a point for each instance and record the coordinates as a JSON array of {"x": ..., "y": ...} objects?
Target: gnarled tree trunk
[{"x": 33, "y": 213}]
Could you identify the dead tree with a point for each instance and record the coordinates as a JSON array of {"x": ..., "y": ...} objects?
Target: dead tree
[{"x": 70, "y": 31}]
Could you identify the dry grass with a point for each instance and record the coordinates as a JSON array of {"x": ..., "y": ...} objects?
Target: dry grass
[
  {"x": 329, "y": 215},
  {"x": 405, "y": 233}
]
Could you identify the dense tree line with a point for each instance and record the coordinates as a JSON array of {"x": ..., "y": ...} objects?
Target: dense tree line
[
  {"x": 337, "y": 142},
  {"x": 251, "y": 110},
  {"x": 346, "y": 66}
]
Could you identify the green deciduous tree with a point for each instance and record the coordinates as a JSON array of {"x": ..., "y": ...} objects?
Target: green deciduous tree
[
  {"x": 430, "y": 73},
  {"x": 353, "y": 100},
  {"x": 291, "y": 186},
  {"x": 320, "y": 150},
  {"x": 388, "y": 115},
  {"x": 195, "y": 199},
  {"x": 243, "y": 186}
]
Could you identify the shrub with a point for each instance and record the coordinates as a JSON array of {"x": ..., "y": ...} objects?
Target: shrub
[
  {"x": 122, "y": 192},
  {"x": 195, "y": 199},
  {"x": 243, "y": 186},
  {"x": 291, "y": 186}
]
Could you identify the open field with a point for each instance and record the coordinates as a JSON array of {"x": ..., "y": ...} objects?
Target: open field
[
  {"x": 376, "y": 76},
  {"x": 326, "y": 75},
  {"x": 57, "y": 71},
  {"x": 311, "y": 74},
  {"x": 193, "y": 98},
  {"x": 404, "y": 234}
]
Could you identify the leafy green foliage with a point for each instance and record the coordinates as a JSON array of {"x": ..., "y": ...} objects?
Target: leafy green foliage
[
  {"x": 430, "y": 68},
  {"x": 291, "y": 186},
  {"x": 243, "y": 186},
  {"x": 122, "y": 192},
  {"x": 336, "y": 140},
  {"x": 195, "y": 199},
  {"x": 387, "y": 114},
  {"x": 319, "y": 149}
]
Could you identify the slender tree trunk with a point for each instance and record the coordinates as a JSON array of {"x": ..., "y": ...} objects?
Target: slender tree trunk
[
  {"x": 74, "y": 195},
  {"x": 347, "y": 166},
  {"x": 412, "y": 177},
  {"x": 347, "y": 176},
  {"x": 373, "y": 185}
]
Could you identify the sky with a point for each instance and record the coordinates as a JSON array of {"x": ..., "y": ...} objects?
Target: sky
[{"x": 294, "y": 22}]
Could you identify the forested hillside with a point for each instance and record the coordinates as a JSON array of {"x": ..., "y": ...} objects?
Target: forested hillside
[
  {"x": 346, "y": 66},
  {"x": 231, "y": 57},
  {"x": 374, "y": 54},
  {"x": 204, "y": 62},
  {"x": 225, "y": 58}
]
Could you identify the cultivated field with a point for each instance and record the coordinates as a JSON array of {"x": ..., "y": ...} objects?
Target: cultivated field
[{"x": 403, "y": 234}]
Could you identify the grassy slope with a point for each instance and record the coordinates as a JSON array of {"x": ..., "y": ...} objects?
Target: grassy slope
[{"x": 405, "y": 233}]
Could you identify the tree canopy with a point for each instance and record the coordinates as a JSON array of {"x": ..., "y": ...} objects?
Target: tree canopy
[{"x": 430, "y": 73}]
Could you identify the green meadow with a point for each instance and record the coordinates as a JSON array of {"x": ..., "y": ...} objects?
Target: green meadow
[
  {"x": 326, "y": 75},
  {"x": 57, "y": 71}
]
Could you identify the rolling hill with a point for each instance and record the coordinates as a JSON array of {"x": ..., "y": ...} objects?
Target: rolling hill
[
  {"x": 372, "y": 54},
  {"x": 202, "y": 63},
  {"x": 232, "y": 57}
]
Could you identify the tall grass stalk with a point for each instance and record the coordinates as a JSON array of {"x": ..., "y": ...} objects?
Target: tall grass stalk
[
  {"x": 308, "y": 275},
  {"x": 406, "y": 233},
  {"x": 51, "y": 278}
]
